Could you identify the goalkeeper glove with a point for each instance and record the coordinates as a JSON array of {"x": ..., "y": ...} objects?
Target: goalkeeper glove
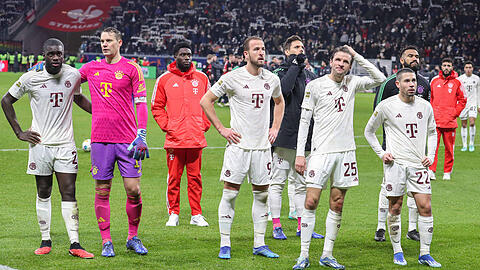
[{"x": 139, "y": 145}]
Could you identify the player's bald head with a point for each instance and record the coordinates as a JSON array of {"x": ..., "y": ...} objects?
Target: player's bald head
[{"x": 51, "y": 42}]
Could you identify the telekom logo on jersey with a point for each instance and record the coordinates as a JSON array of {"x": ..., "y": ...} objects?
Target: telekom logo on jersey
[
  {"x": 56, "y": 98},
  {"x": 257, "y": 99},
  {"x": 411, "y": 130}
]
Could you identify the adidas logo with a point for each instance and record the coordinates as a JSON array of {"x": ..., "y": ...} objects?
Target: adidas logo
[
  {"x": 398, "y": 116},
  {"x": 329, "y": 93},
  {"x": 246, "y": 87},
  {"x": 175, "y": 85},
  {"x": 96, "y": 74},
  {"x": 43, "y": 86}
]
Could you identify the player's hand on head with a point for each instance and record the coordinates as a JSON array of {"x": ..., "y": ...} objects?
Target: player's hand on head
[
  {"x": 139, "y": 145},
  {"x": 272, "y": 135},
  {"x": 350, "y": 49},
  {"x": 30, "y": 136},
  {"x": 387, "y": 158},
  {"x": 231, "y": 136},
  {"x": 300, "y": 164},
  {"x": 426, "y": 162}
]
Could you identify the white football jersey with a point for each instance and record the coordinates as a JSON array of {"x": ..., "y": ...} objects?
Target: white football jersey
[
  {"x": 51, "y": 98},
  {"x": 407, "y": 128},
  {"x": 472, "y": 89},
  {"x": 332, "y": 104},
  {"x": 249, "y": 98}
]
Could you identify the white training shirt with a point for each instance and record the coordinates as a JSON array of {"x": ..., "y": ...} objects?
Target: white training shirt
[
  {"x": 472, "y": 89},
  {"x": 51, "y": 98},
  {"x": 249, "y": 98},
  {"x": 407, "y": 126},
  {"x": 332, "y": 105}
]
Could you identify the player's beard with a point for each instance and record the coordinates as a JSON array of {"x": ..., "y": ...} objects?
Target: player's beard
[
  {"x": 414, "y": 68},
  {"x": 256, "y": 62}
]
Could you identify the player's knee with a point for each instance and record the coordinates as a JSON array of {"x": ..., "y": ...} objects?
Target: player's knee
[
  {"x": 44, "y": 192},
  {"x": 336, "y": 203},
  {"x": 311, "y": 203},
  {"x": 103, "y": 192},
  {"x": 133, "y": 191}
]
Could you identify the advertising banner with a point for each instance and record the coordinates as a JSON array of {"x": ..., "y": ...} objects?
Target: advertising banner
[{"x": 77, "y": 15}]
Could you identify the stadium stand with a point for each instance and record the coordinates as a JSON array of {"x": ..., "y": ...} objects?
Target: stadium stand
[{"x": 378, "y": 29}]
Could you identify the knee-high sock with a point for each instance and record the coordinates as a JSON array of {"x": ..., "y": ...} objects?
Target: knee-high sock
[
  {"x": 472, "y": 134},
  {"x": 226, "y": 212},
  {"x": 332, "y": 226},
  {"x": 70, "y": 216},
  {"x": 425, "y": 227},
  {"x": 275, "y": 203},
  {"x": 102, "y": 211},
  {"x": 291, "y": 193},
  {"x": 412, "y": 214},
  {"x": 134, "y": 213},
  {"x": 44, "y": 215},
  {"x": 464, "y": 133},
  {"x": 382, "y": 210},
  {"x": 260, "y": 217},
  {"x": 395, "y": 231},
  {"x": 308, "y": 224},
  {"x": 300, "y": 194}
]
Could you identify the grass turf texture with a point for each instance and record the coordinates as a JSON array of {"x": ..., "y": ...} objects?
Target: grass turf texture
[{"x": 456, "y": 241}]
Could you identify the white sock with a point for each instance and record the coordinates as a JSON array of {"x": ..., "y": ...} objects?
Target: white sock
[
  {"x": 44, "y": 215},
  {"x": 226, "y": 212},
  {"x": 291, "y": 194},
  {"x": 395, "y": 231},
  {"x": 332, "y": 226},
  {"x": 275, "y": 199},
  {"x": 464, "y": 133},
  {"x": 425, "y": 227},
  {"x": 70, "y": 216},
  {"x": 300, "y": 194},
  {"x": 472, "y": 134},
  {"x": 308, "y": 224},
  {"x": 382, "y": 210},
  {"x": 260, "y": 217},
  {"x": 412, "y": 218}
]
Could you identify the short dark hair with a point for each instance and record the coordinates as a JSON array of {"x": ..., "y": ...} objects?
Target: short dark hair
[
  {"x": 341, "y": 49},
  {"x": 403, "y": 71},
  {"x": 408, "y": 47},
  {"x": 181, "y": 44},
  {"x": 113, "y": 30},
  {"x": 52, "y": 42},
  {"x": 448, "y": 60},
  {"x": 288, "y": 42},
  {"x": 468, "y": 63},
  {"x": 246, "y": 43}
]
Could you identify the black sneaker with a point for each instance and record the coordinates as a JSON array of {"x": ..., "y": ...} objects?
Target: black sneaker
[
  {"x": 380, "y": 235},
  {"x": 413, "y": 235}
]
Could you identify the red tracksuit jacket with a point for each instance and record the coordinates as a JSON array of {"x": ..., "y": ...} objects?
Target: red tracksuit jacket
[
  {"x": 176, "y": 107},
  {"x": 447, "y": 99}
]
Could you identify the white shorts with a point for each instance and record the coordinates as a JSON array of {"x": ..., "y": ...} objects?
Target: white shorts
[
  {"x": 468, "y": 112},
  {"x": 238, "y": 163},
  {"x": 283, "y": 164},
  {"x": 44, "y": 160},
  {"x": 398, "y": 176},
  {"x": 341, "y": 167},
  {"x": 383, "y": 200}
]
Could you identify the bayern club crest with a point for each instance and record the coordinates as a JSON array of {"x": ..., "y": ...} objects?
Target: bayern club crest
[
  {"x": 420, "y": 89},
  {"x": 419, "y": 115},
  {"x": 227, "y": 173},
  {"x": 344, "y": 88},
  {"x": 267, "y": 86},
  {"x": 32, "y": 166},
  {"x": 68, "y": 84},
  {"x": 194, "y": 83},
  {"x": 389, "y": 187},
  {"x": 311, "y": 173}
]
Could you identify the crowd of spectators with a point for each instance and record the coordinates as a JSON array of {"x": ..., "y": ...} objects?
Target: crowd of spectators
[{"x": 376, "y": 29}]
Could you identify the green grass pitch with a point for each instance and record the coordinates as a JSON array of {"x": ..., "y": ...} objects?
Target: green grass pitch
[{"x": 456, "y": 208}]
